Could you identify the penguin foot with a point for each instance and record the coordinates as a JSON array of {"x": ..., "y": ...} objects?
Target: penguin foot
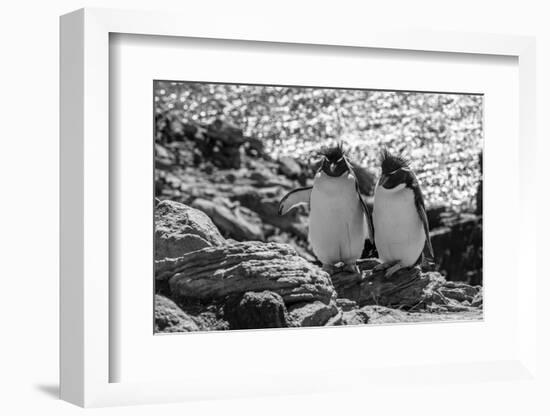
[
  {"x": 384, "y": 266},
  {"x": 393, "y": 269},
  {"x": 329, "y": 268},
  {"x": 351, "y": 268}
]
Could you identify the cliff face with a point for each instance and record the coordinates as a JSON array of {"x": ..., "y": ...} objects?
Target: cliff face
[{"x": 207, "y": 282}]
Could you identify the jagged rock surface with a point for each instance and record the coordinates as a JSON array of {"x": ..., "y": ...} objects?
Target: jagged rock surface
[
  {"x": 216, "y": 272},
  {"x": 408, "y": 288}
]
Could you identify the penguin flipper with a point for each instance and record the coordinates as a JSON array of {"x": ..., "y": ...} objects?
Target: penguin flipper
[
  {"x": 294, "y": 198},
  {"x": 419, "y": 202},
  {"x": 368, "y": 214}
]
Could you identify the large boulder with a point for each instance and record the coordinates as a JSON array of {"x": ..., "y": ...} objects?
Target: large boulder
[
  {"x": 220, "y": 271},
  {"x": 255, "y": 310},
  {"x": 233, "y": 220},
  {"x": 180, "y": 229}
]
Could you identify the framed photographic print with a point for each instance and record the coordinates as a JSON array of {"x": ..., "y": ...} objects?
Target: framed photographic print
[{"x": 226, "y": 196}]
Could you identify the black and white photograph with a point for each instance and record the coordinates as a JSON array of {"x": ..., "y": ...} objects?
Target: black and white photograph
[
  {"x": 302, "y": 206},
  {"x": 275, "y": 208}
]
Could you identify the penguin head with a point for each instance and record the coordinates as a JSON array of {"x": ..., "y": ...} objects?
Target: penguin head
[
  {"x": 396, "y": 173},
  {"x": 333, "y": 161}
]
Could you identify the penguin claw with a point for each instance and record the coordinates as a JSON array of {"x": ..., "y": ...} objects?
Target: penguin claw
[
  {"x": 329, "y": 268},
  {"x": 393, "y": 269},
  {"x": 384, "y": 266},
  {"x": 351, "y": 268}
]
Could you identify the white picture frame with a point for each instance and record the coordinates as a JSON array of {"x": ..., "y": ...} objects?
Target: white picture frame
[{"x": 85, "y": 229}]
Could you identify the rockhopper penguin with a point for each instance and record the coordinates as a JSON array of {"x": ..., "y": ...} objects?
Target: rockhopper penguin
[
  {"x": 339, "y": 219},
  {"x": 401, "y": 231}
]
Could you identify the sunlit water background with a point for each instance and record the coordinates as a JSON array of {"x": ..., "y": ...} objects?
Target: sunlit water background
[{"x": 441, "y": 134}]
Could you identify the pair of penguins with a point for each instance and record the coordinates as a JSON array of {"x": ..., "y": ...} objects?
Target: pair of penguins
[{"x": 340, "y": 222}]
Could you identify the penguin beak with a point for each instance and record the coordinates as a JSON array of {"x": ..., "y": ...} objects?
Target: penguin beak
[
  {"x": 332, "y": 167},
  {"x": 383, "y": 180}
]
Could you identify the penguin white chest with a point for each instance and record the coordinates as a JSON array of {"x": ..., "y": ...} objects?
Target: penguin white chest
[
  {"x": 398, "y": 229},
  {"x": 337, "y": 223}
]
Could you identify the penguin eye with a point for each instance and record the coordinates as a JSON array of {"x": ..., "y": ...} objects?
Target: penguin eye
[{"x": 339, "y": 160}]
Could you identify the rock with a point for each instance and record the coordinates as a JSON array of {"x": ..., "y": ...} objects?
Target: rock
[
  {"x": 477, "y": 301},
  {"x": 226, "y": 133},
  {"x": 221, "y": 144},
  {"x": 265, "y": 202},
  {"x": 459, "y": 291},
  {"x": 435, "y": 216},
  {"x": 373, "y": 314},
  {"x": 408, "y": 288},
  {"x": 169, "y": 128},
  {"x": 354, "y": 317},
  {"x": 163, "y": 158},
  {"x": 254, "y": 310},
  {"x": 217, "y": 272},
  {"x": 180, "y": 229},
  {"x": 170, "y": 318},
  {"x": 315, "y": 313},
  {"x": 336, "y": 319},
  {"x": 458, "y": 247},
  {"x": 231, "y": 219},
  {"x": 262, "y": 174},
  {"x": 346, "y": 305},
  {"x": 376, "y": 315},
  {"x": 300, "y": 246},
  {"x": 289, "y": 167},
  {"x": 255, "y": 147}
]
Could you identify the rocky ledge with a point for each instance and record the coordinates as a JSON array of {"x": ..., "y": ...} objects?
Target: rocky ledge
[{"x": 206, "y": 282}]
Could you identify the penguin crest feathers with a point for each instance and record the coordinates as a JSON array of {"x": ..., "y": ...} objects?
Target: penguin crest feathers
[
  {"x": 334, "y": 153},
  {"x": 391, "y": 163}
]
